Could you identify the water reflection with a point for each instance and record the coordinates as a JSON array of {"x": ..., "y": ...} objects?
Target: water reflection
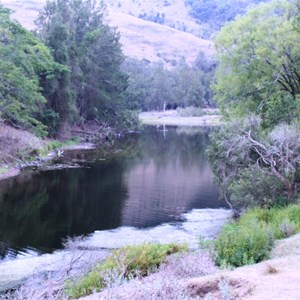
[{"x": 158, "y": 176}]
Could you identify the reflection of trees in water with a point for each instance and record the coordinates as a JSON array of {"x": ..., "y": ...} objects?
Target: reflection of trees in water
[
  {"x": 38, "y": 210},
  {"x": 60, "y": 203},
  {"x": 171, "y": 177},
  {"x": 186, "y": 150}
]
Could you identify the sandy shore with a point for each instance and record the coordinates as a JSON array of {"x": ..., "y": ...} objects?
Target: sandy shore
[{"x": 172, "y": 117}]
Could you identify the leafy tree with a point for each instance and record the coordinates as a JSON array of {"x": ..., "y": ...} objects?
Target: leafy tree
[
  {"x": 259, "y": 64},
  {"x": 81, "y": 40},
  {"x": 151, "y": 86},
  {"x": 215, "y": 13},
  {"x": 24, "y": 64}
]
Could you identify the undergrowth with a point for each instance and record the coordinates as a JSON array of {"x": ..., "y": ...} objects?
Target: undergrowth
[
  {"x": 52, "y": 145},
  {"x": 250, "y": 239},
  {"x": 123, "y": 264}
]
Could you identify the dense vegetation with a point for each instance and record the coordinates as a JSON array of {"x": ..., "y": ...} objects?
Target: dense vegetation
[
  {"x": 153, "y": 87},
  {"x": 251, "y": 238},
  {"x": 69, "y": 73},
  {"x": 257, "y": 158},
  {"x": 25, "y": 62},
  {"x": 213, "y": 14}
]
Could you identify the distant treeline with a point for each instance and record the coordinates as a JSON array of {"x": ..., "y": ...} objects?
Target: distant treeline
[{"x": 153, "y": 87}]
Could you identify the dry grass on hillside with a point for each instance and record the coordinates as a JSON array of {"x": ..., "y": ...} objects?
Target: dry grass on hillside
[
  {"x": 147, "y": 40},
  {"x": 15, "y": 143},
  {"x": 141, "y": 39}
]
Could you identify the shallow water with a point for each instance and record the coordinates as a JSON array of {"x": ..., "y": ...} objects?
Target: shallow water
[{"x": 153, "y": 179}]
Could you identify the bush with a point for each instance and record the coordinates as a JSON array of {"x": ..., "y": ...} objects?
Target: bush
[
  {"x": 124, "y": 263},
  {"x": 283, "y": 221},
  {"x": 190, "y": 111},
  {"x": 243, "y": 243},
  {"x": 250, "y": 240}
]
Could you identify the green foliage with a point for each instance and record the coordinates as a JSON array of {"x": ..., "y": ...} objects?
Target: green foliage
[
  {"x": 190, "y": 111},
  {"x": 153, "y": 87},
  {"x": 24, "y": 63},
  {"x": 127, "y": 262},
  {"x": 258, "y": 73},
  {"x": 250, "y": 239},
  {"x": 278, "y": 219},
  {"x": 91, "y": 86},
  {"x": 52, "y": 145},
  {"x": 215, "y": 13},
  {"x": 242, "y": 243}
]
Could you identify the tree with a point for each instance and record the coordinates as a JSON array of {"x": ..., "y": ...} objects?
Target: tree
[
  {"x": 24, "y": 64},
  {"x": 259, "y": 64},
  {"x": 256, "y": 168},
  {"x": 81, "y": 40}
]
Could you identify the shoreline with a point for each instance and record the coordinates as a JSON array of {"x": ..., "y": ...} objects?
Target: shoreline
[
  {"x": 10, "y": 171},
  {"x": 172, "y": 117}
]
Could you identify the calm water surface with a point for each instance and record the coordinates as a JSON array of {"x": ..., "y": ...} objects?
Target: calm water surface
[{"x": 156, "y": 177}]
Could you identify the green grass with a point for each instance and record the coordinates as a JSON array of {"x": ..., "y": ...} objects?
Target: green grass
[
  {"x": 52, "y": 145},
  {"x": 3, "y": 170},
  {"x": 251, "y": 238},
  {"x": 124, "y": 263}
]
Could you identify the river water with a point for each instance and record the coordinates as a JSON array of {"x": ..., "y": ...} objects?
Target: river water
[{"x": 151, "y": 179}]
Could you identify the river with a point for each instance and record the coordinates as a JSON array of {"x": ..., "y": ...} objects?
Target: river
[{"x": 154, "y": 178}]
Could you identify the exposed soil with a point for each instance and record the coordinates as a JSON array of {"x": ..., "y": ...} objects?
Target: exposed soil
[{"x": 277, "y": 278}]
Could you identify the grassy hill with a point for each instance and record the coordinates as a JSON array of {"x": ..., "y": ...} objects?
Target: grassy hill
[{"x": 140, "y": 38}]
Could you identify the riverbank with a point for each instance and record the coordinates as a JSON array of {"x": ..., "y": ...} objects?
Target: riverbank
[
  {"x": 82, "y": 254},
  {"x": 173, "y": 118}
]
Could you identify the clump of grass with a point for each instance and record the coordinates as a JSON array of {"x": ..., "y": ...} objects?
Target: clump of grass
[
  {"x": 52, "y": 145},
  {"x": 123, "y": 264},
  {"x": 3, "y": 170},
  {"x": 190, "y": 111},
  {"x": 250, "y": 239},
  {"x": 242, "y": 243},
  {"x": 284, "y": 221},
  {"x": 167, "y": 282}
]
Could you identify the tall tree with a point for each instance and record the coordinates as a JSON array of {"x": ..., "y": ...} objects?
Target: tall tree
[{"x": 82, "y": 41}]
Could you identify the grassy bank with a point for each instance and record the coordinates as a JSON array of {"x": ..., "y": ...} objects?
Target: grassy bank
[{"x": 250, "y": 239}]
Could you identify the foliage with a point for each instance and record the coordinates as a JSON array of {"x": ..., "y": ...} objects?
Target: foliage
[
  {"x": 243, "y": 243},
  {"x": 283, "y": 221},
  {"x": 253, "y": 167},
  {"x": 83, "y": 42},
  {"x": 24, "y": 63},
  {"x": 249, "y": 240},
  {"x": 128, "y": 262},
  {"x": 190, "y": 111},
  {"x": 259, "y": 63},
  {"x": 153, "y": 87},
  {"x": 215, "y": 13},
  {"x": 52, "y": 145}
]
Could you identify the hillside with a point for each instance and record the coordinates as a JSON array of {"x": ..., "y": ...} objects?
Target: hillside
[{"x": 140, "y": 38}]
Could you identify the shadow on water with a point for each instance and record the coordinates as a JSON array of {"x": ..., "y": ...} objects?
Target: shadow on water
[{"x": 151, "y": 179}]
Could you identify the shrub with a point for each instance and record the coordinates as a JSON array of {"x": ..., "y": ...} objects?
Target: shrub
[
  {"x": 243, "y": 243},
  {"x": 284, "y": 221},
  {"x": 124, "y": 263},
  {"x": 190, "y": 111}
]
